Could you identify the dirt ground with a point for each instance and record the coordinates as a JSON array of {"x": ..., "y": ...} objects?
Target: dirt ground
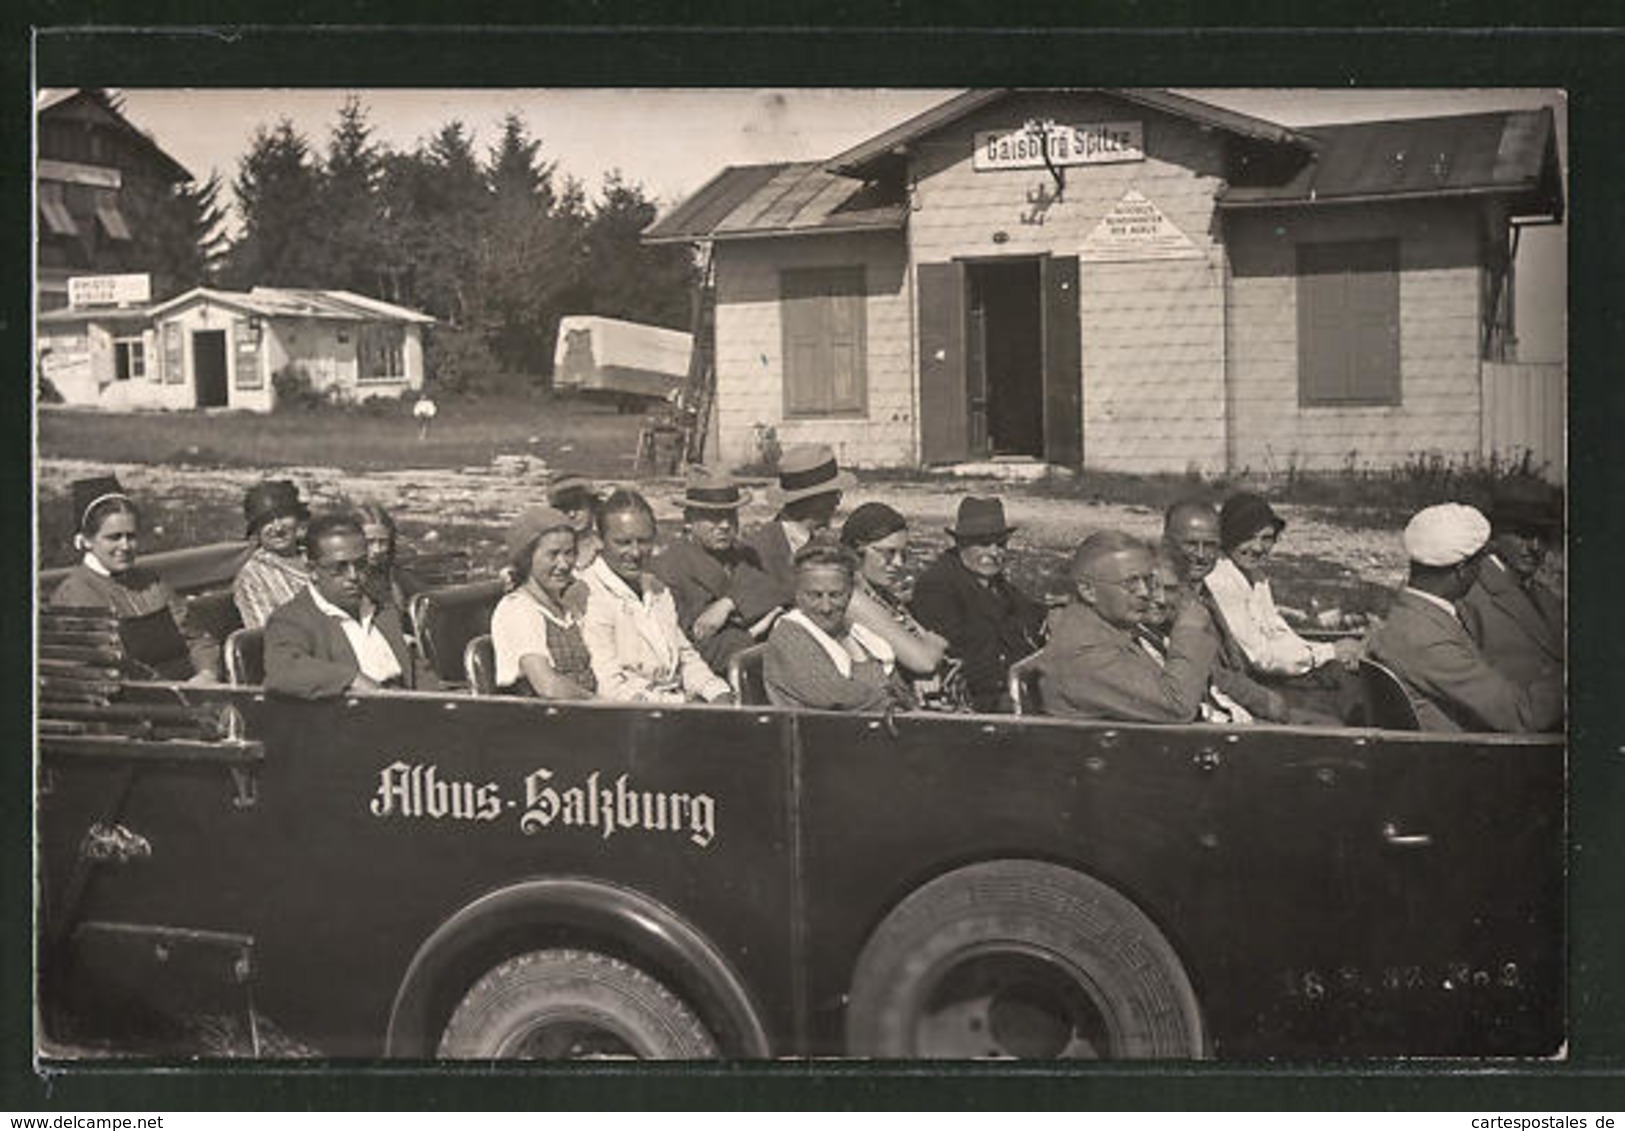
[{"x": 468, "y": 508}]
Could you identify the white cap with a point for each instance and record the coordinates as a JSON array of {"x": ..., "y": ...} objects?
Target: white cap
[{"x": 1446, "y": 535}]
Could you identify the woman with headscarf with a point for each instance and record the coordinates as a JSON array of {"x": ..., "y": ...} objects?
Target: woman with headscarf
[
  {"x": 536, "y": 628},
  {"x": 276, "y": 571},
  {"x": 152, "y": 620}
]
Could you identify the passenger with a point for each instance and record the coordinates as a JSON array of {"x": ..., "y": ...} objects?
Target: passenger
[
  {"x": 330, "y": 638},
  {"x": 153, "y": 624},
  {"x": 1516, "y": 621},
  {"x": 1232, "y": 697},
  {"x": 1423, "y": 642},
  {"x": 724, "y": 599},
  {"x": 1312, "y": 671},
  {"x": 1095, "y": 665},
  {"x": 577, "y": 497},
  {"x": 638, "y": 651},
  {"x": 816, "y": 656},
  {"x": 878, "y": 534},
  {"x": 807, "y": 494},
  {"x": 387, "y": 581},
  {"x": 965, "y": 597},
  {"x": 276, "y": 570},
  {"x": 1190, "y": 550},
  {"x": 536, "y": 629}
]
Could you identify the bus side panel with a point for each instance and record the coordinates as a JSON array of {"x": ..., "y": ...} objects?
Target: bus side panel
[{"x": 377, "y": 819}]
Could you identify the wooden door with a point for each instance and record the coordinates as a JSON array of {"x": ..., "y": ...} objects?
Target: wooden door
[
  {"x": 944, "y": 436},
  {"x": 1063, "y": 363}
]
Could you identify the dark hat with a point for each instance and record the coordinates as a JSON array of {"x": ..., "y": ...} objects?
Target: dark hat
[
  {"x": 979, "y": 519},
  {"x": 1526, "y": 503},
  {"x": 807, "y": 470},
  {"x": 532, "y": 524},
  {"x": 870, "y": 523},
  {"x": 708, "y": 490},
  {"x": 1244, "y": 515},
  {"x": 88, "y": 492},
  {"x": 273, "y": 498}
]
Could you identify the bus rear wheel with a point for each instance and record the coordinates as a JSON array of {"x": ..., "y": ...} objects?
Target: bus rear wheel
[
  {"x": 1018, "y": 959},
  {"x": 572, "y": 1005}
]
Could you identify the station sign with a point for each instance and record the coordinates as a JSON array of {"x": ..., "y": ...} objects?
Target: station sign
[
  {"x": 1093, "y": 143},
  {"x": 109, "y": 290}
]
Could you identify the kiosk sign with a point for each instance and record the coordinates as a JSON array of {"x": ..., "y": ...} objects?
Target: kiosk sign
[
  {"x": 1094, "y": 143},
  {"x": 109, "y": 290}
]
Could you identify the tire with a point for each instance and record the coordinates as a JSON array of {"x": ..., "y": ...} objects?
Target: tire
[
  {"x": 1020, "y": 959},
  {"x": 572, "y": 1004}
]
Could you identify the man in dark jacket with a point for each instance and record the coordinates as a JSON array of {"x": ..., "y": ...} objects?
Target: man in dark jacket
[
  {"x": 965, "y": 597},
  {"x": 330, "y": 639},
  {"x": 1516, "y": 621}
]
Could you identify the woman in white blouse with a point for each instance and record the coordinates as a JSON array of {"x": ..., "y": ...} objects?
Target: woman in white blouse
[
  {"x": 639, "y": 653},
  {"x": 536, "y": 629},
  {"x": 1248, "y": 529}
]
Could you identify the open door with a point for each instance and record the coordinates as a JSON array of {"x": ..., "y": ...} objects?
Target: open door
[
  {"x": 943, "y": 434},
  {"x": 1063, "y": 364},
  {"x": 209, "y": 367}
]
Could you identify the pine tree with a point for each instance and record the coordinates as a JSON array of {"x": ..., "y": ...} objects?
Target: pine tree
[
  {"x": 278, "y": 192},
  {"x": 350, "y": 213}
]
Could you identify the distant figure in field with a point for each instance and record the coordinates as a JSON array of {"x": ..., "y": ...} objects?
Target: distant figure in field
[
  {"x": 1423, "y": 642},
  {"x": 277, "y": 569},
  {"x": 424, "y": 412},
  {"x": 331, "y": 638},
  {"x": 153, "y": 624},
  {"x": 965, "y": 597},
  {"x": 1516, "y": 621},
  {"x": 536, "y": 629}
]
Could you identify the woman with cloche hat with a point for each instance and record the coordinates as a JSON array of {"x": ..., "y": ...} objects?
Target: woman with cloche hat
[
  {"x": 536, "y": 629},
  {"x": 275, "y": 572},
  {"x": 152, "y": 621},
  {"x": 965, "y": 597}
]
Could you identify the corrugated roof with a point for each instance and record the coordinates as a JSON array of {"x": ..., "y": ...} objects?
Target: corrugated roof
[
  {"x": 863, "y": 159},
  {"x": 785, "y": 199},
  {"x": 1509, "y": 151}
]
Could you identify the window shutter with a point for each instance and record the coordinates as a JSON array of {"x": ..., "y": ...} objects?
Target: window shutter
[
  {"x": 1348, "y": 323},
  {"x": 822, "y": 314}
]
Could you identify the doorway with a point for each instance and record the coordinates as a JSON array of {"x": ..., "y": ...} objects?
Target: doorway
[
  {"x": 209, "y": 367},
  {"x": 1004, "y": 351}
]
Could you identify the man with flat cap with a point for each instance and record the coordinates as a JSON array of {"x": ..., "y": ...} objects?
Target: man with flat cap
[
  {"x": 1516, "y": 621},
  {"x": 1424, "y": 643},
  {"x": 806, "y": 494},
  {"x": 965, "y": 597},
  {"x": 720, "y": 589}
]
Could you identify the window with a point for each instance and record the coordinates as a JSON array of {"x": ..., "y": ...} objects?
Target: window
[
  {"x": 822, "y": 313},
  {"x": 174, "y": 355},
  {"x": 1348, "y": 323},
  {"x": 53, "y": 208},
  {"x": 129, "y": 359},
  {"x": 381, "y": 353},
  {"x": 245, "y": 335}
]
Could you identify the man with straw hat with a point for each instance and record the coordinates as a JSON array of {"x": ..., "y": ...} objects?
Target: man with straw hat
[
  {"x": 965, "y": 597},
  {"x": 806, "y": 495},
  {"x": 719, "y": 586},
  {"x": 1423, "y": 642}
]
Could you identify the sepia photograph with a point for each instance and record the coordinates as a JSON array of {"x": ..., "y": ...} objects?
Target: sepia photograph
[{"x": 756, "y": 574}]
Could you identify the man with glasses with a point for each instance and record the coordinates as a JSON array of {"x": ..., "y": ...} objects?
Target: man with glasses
[
  {"x": 965, "y": 597},
  {"x": 331, "y": 639},
  {"x": 1094, "y": 666}
]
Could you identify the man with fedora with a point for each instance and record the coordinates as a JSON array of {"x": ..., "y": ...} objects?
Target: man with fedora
[
  {"x": 275, "y": 572},
  {"x": 965, "y": 597},
  {"x": 1423, "y": 642},
  {"x": 1515, "y": 620},
  {"x": 718, "y": 585},
  {"x": 330, "y": 639},
  {"x": 805, "y": 495}
]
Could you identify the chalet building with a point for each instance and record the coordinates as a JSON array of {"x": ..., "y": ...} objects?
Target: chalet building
[
  {"x": 210, "y": 348},
  {"x": 96, "y": 181},
  {"x": 1133, "y": 280}
]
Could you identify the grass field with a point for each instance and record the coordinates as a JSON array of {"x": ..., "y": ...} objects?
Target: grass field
[{"x": 586, "y": 437}]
